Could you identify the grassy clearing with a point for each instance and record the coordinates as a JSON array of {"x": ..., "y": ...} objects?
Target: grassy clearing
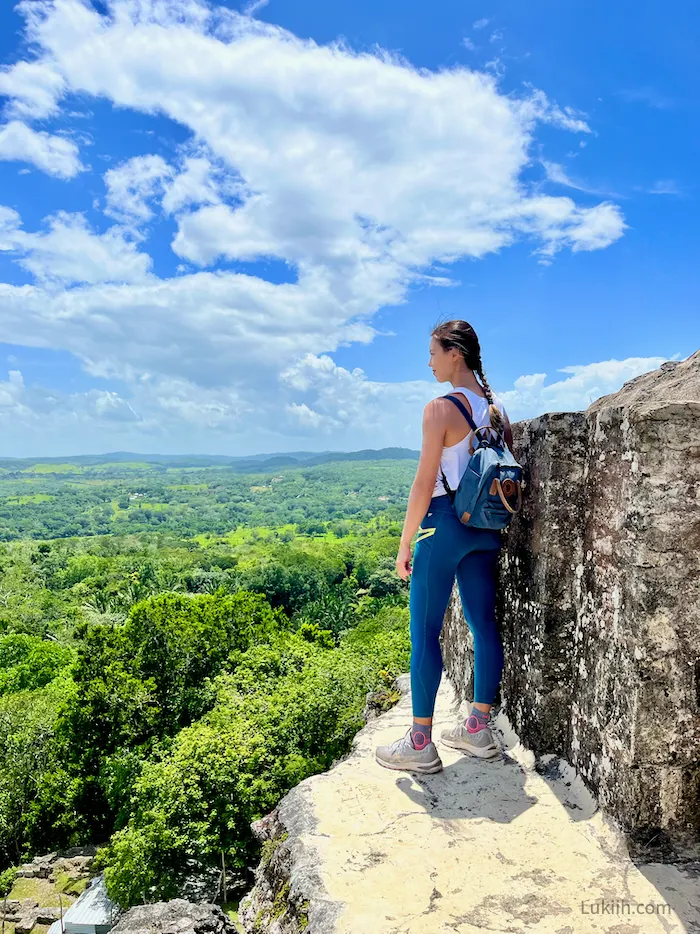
[
  {"x": 53, "y": 468},
  {"x": 42, "y": 891}
]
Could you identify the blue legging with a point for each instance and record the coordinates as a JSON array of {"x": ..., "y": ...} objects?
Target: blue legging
[{"x": 445, "y": 549}]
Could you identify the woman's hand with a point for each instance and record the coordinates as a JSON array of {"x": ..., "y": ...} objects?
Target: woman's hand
[{"x": 403, "y": 562}]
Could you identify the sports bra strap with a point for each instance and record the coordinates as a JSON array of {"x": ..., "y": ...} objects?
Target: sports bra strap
[{"x": 464, "y": 412}]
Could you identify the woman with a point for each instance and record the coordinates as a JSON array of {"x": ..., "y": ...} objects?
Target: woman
[{"x": 445, "y": 549}]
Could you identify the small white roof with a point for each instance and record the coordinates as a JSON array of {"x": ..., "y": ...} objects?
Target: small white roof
[{"x": 92, "y": 913}]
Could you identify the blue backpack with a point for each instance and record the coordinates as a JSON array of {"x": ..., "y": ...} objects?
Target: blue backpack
[{"x": 491, "y": 480}]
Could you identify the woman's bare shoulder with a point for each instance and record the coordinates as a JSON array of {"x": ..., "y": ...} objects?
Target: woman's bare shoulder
[
  {"x": 439, "y": 405},
  {"x": 447, "y": 407},
  {"x": 437, "y": 411}
]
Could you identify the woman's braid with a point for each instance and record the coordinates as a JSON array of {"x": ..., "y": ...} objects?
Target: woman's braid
[{"x": 497, "y": 421}]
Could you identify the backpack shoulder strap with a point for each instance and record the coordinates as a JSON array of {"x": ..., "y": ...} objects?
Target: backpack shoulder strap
[{"x": 464, "y": 412}]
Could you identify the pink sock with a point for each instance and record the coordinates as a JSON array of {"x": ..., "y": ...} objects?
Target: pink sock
[
  {"x": 421, "y": 734},
  {"x": 477, "y": 720}
]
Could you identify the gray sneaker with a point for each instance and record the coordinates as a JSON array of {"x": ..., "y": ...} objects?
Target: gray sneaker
[
  {"x": 480, "y": 744},
  {"x": 402, "y": 754}
]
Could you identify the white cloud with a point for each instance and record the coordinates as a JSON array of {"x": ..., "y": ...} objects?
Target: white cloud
[
  {"x": 52, "y": 154},
  {"x": 109, "y": 406},
  {"x": 9, "y": 225},
  {"x": 11, "y": 392},
  {"x": 132, "y": 184},
  {"x": 359, "y": 171},
  {"x": 565, "y": 117},
  {"x": 665, "y": 186},
  {"x": 468, "y": 44},
  {"x": 496, "y": 67},
  {"x": 69, "y": 252},
  {"x": 217, "y": 231},
  {"x": 338, "y": 402},
  {"x": 316, "y": 404},
  {"x": 559, "y": 223},
  {"x": 332, "y": 146},
  {"x": 252, "y": 8},
  {"x": 585, "y": 384},
  {"x": 134, "y": 187},
  {"x": 208, "y": 328},
  {"x": 557, "y": 173},
  {"x": 480, "y": 23},
  {"x": 34, "y": 89},
  {"x": 593, "y": 228},
  {"x": 195, "y": 184},
  {"x": 339, "y": 176},
  {"x": 40, "y": 409}
]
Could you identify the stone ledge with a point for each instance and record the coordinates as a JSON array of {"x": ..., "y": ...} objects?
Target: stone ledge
[{"x": 377, "y": 851}]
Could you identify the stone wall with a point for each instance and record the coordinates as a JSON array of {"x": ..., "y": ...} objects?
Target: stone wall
[{"x": 599, "y": 603}]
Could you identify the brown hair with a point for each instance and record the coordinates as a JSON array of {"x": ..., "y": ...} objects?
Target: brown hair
[{"x": 462, "y": 336}]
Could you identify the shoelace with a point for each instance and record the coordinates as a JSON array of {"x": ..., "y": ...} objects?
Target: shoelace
[{"x": 398, "y": 742}]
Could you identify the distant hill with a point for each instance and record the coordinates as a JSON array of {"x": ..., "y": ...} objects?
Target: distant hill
[
  {"x": 369, "y": 454},
  {"x": 254, "y": 462}
]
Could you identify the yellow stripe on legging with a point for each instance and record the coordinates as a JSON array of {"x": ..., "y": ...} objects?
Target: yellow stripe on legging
[{"x": 424, "y": 533}]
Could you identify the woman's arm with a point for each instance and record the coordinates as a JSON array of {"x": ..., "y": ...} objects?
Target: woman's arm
[{"x": 434, "y": 420}]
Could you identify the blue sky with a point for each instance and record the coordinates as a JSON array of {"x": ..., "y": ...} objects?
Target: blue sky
[{"x": 229, "y": 228}]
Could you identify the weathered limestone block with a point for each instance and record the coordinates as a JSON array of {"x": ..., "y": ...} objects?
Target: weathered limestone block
[
  {"x": 27, "y": 916},
  {"x": 75, "y": 860},
  {"x": 177, "y": 916},
  {"x": 288, "y": 896},
  {"x": 599, "y": 602},
  {"x": 73, "y": 866},
  {"x": 27, "y": 920}
]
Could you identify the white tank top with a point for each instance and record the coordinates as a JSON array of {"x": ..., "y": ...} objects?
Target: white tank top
[{"x": 455, "y": 457}]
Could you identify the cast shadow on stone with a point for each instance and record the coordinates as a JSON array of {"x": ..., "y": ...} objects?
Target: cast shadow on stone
[{"x": 492, "y": 790}]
